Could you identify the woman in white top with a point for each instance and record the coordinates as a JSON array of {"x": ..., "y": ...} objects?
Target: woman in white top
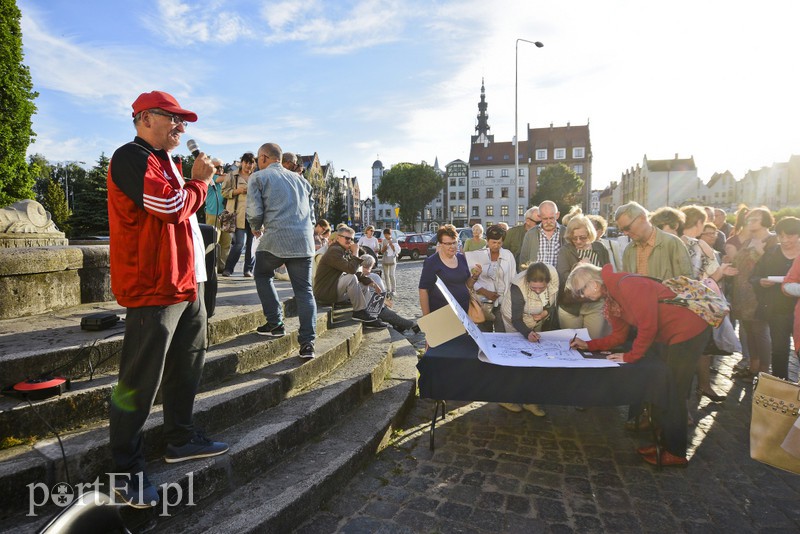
[
  {"x": 368, "y": 239},
  {"x": 390, "y": 250},
  {"x": 498, "y": 270}
]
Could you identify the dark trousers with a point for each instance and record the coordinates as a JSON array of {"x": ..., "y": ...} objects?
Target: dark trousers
[
  {"x": 681, "y": 359},
  {"x": 242, "y": 239},
  {"x": 163, "y": 344},
  {"x": 780, "y": 331}
]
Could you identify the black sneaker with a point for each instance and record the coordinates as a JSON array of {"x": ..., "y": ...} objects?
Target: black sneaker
[
  {"x": 135, "y": 490},
  {"x": 375, "y": 323},
  {"x": 197, "y": 447},
  {"x": 307, "y": 350},
  {"x": 362, "y": 316},
  {"x": 271, "y": 330}
]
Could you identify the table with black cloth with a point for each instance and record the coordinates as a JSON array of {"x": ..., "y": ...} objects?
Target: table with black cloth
[{"x": 452, "y": 371}]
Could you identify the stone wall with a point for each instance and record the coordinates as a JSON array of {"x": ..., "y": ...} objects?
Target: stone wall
[{"x": 43, "y": 279}]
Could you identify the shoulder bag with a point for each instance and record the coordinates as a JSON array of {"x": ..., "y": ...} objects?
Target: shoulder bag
[
  {"x": 776, "y": 405},
  {"x": 227, "y": 219}
]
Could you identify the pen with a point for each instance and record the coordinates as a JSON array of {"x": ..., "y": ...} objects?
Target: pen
[
  {"x": 573, "y": 339},
  {"x": 526, "y": 353}
]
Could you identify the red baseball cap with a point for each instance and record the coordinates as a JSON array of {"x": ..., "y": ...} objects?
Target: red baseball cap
[{"x": 162, "y": 100}]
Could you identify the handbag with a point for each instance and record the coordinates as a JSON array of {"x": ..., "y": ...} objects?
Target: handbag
[
  {"x": 776, "y": 405},
  {"x": 475, "y": 311},
  {"x": 227, "y": 219}
]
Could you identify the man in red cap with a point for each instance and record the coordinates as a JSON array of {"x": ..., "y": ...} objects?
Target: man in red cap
[{"x": 157, "y": 272}]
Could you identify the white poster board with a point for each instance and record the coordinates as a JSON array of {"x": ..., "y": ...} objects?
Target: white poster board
[{"x": 511, "y": 349}]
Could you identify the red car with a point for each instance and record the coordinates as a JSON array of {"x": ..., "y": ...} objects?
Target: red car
[{"x": 414, "y": 245}]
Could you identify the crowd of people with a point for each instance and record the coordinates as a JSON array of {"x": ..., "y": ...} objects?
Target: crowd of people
[
  {"x": 540, "y": 275},
  {"x": 545, "y": 274}
]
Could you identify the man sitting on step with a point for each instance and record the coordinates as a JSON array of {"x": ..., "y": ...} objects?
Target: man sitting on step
[{"x": 338, "y": 279}]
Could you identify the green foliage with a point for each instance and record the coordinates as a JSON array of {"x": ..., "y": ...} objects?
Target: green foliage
[
  {"x": 558, "y": 183},
  {"x": 337, "y": 209},
  {"x": 90, "y": 205},
  {"x": 411, "y": 186},
  {"x": 55, "y": 202},
  {"x": 16, "y": 109},
  {"x": 793, "y": 211}
]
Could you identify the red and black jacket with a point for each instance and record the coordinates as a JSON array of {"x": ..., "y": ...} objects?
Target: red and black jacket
[{"x": 152, "y": 256}]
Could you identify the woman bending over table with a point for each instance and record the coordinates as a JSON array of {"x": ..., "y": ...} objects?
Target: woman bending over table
[{"x": 635, "y": 301}]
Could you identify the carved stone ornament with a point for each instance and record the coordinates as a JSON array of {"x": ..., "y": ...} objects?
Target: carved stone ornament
[{"x": 26, "y": 223}]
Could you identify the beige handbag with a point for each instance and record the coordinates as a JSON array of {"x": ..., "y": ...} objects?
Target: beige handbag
[{"x": 776, "y": 405}]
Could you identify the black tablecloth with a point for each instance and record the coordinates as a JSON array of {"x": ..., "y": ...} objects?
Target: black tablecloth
[{"x": 452, "y": 371}]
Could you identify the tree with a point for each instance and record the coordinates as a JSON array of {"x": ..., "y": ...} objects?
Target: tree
[
  {"x": 90, "y": 207},
  {"x": 42, "y": 173},
  {"x": 337, "y": 210},
  {"x": 55, "y": 202},
  {"x": 16, "y": 109},
  {"x": 411, "y": 186},
  {"x": 560, "y": 184}
]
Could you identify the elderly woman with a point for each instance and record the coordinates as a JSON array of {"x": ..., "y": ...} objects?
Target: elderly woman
[
  {"x": 529, "y": 301},
  {"x": 636, "y": 301},
  {"x": 452, "y": 268},
  {"x": 791, "y": 288},
  {"x": 476, "y": 242},
  {"x": 580, "y": 246},
  {"x": 753, "y": 327},
  {"x": 498, "y": 268},
  {"x": 777, "y": 307},
  {"x": 401, "y": 324}
]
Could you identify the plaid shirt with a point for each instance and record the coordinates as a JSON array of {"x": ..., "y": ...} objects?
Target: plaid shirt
[{"x": 548, "y": 248}]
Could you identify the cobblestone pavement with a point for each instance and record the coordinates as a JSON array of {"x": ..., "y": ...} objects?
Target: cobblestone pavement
[{"x": 571, "y": 471}]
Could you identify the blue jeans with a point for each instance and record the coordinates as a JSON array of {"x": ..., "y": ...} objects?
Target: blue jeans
[
  {"x": 242, "y": 238},
  {"x": 299, "y": 270}
]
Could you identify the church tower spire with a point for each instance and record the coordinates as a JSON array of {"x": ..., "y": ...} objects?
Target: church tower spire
[{"x": 482, "y": 128}]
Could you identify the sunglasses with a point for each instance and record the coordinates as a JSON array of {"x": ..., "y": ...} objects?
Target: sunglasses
[{"x": 174, "y": 119}]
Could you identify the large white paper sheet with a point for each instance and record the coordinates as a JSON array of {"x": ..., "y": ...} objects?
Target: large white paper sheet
[{"x": 516, "y": 351}]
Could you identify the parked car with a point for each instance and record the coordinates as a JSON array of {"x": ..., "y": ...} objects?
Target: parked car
[
  {"x": 414, "y": 245},
  {"x": 397, "y": 235},
  {"x": 432, "y": 242}
]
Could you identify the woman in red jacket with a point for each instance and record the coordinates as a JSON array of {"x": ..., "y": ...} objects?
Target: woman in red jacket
[{"x": 635, "y": 301}]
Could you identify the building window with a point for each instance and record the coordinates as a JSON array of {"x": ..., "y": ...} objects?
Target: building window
[
  {"x": 578, "y": 169},
  {"x": 560, "y": 153},
  {"x": 504, "y": 210},
  {"x": 520, "y": 211},
  {"x": 452, "y": 195},
  {"x": 489, "y": 211},
  {"x": 503, "y": 192},
  {"x": 578, "y": 152},
  {"x": 475, "y": 193},
  {"x": 438, "y": 213},
  {"x": 489, "y": 192},
  {"x": 475, "y": 211},
  {"x": 490, "y": 173},
  {"x": 522, "y": 173},
  {"x": 474, "y": 174},
  {"x": 462, "y": 209},
  {"x": 521, "y": 192},
  {"x": 452, "y": 182},
  {"x": 541, "y": 153},
  {"x": 462, "y": 195},
  {"x": 504, "y": 173},
  {"x": 539, "y": 170},
  {"x": 506, "y": 156},
  {"x": 462, "y": 182}
]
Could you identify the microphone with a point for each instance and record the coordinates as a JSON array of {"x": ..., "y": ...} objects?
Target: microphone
[{"x": 192, "y": 146}]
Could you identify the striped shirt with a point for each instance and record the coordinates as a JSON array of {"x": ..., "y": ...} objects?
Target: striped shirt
[{"x": 549, "y": 247}]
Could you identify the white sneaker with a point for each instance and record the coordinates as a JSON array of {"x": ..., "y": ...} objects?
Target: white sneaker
[
  {"x": 535, "y": 409},
  {"x": 511, "y": 407}
]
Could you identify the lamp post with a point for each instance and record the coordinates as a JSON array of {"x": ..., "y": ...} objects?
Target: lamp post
[
  {"x": 516, "y": 121},
  {"x": 66, "y": 178}
]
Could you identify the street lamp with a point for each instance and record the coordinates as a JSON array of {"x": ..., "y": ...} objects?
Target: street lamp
[
  {"x": 516, "y": 120},
  {"x": 66, "y": 178}
]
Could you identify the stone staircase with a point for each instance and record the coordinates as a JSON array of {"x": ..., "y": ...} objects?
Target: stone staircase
[{"x": 297, "y": 429}]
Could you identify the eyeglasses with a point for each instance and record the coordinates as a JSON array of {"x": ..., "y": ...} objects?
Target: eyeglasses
[
  {"x": 627, "y": 228},
  {"x": 174, "y": 119},
  {"x": 449, "y": 244},
  {"x": 346, "y": 238},
  {"x": 582, "y": 291},
  {"x": 580, "y": 238},
  {"x": 532, "y": 220}
]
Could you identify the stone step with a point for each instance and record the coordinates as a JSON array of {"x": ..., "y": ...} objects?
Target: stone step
[
  {"x": 54, "y": 341},
  {"x": 281, "y": 497},
  {"x": 303, "y": 449},
  {"x": 87, "y": 450},
  {"x": 87, "y": 402}
]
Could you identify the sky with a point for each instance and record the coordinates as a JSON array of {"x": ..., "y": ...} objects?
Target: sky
[{"x": 356, "y": 81}]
